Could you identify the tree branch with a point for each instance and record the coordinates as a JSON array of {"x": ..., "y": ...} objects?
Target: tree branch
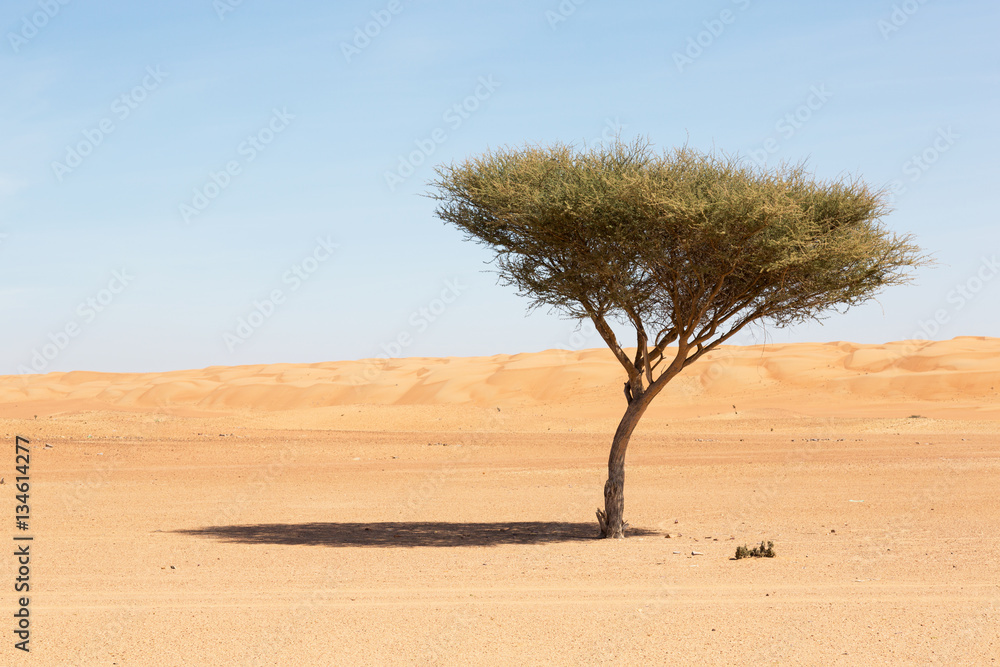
[
  {"x": 612, "y": 342},
  {"x": 705, "y": 349},
  {"x": 656, "y": 355}
]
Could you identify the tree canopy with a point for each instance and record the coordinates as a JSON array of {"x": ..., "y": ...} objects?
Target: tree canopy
[{"x": 686, "y": 246}]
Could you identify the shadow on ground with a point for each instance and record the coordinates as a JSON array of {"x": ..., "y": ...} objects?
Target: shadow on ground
[{"x": 406, "y": 534}]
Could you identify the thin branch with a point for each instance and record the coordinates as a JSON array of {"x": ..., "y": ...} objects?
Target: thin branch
[
  {"x": 609, "y": 337},
  {"x": 675, "y": 367},
  {"x": 656, "y": 354},
  {"x": 702, "y": 350},
  {"x": 645, "y": 364}
]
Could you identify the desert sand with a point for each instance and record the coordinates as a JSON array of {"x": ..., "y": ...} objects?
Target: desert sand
[{"x": 441, "y": 511}]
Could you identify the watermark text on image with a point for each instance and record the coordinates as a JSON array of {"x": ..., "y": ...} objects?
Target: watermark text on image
[
  {"x": 454, "y": 117},
  {"x": 961, "y": 295},
  {"x": 22, "y": 542},
  {"x": 420, "y": 320},
  {"x": 247, "y": 151},
  {"x": 32, "y": 23},
  {"x": 223, "y": 7},
  {"x": 613, "y": 128},
  {"x": 264, "y": 309},
  {"x": 789, "y": 125},
  {"x": 900, "y": 15},
  {"x": 364, "y": 34},
  {"x": 920, "y": 163},
  {"x": 87, "y": 311},
  {"x": 704, "y": 39},
  {"x": 262, "y": 479},
  {"x": 121, "y": 108},
  {"x": 562, "y": 12}
]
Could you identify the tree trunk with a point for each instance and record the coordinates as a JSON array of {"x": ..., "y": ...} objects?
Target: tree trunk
[{"x": 611, "y": 517}]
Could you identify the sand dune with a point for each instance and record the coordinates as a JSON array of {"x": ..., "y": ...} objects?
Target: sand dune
[{"x": 958, "y": 377}]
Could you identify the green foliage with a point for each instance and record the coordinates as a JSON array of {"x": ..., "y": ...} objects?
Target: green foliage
[
  {"x": 686, "y": 246},
  {"x": 757, "y": 552}
]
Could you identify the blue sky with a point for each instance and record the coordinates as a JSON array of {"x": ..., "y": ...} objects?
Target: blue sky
[{"x": 168, "y": 168}]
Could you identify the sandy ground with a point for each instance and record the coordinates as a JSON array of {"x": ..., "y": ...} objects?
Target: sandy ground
[{"x": 441, "y": 511}]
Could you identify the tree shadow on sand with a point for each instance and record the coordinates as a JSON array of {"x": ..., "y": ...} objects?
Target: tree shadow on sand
[{"x": 407, "y": 533}]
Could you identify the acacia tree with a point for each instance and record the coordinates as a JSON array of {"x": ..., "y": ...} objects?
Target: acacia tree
[{"x": 685, "y": 247}]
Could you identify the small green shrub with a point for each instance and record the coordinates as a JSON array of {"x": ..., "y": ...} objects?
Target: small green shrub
[{"x": 757, "y": 552}]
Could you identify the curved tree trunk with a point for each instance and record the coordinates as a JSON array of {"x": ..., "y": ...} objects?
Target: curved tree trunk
[{"x": 611, "y": 517}]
